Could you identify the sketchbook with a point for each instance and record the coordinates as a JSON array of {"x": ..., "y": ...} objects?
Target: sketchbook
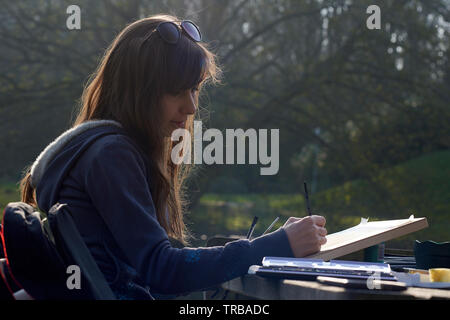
[{"x": 367, "y": 234}]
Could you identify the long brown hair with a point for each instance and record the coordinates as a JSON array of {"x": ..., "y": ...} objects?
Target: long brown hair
[{"x": 135, "y": 72}]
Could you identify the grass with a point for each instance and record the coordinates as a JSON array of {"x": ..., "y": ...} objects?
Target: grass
[{"x": 9, "y": 192}]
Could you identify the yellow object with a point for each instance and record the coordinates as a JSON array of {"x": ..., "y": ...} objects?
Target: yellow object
[
  {"x": 424, "y": 274},
  {"x": 440, "y": 275},
  {"x": 421, "y": 271}
]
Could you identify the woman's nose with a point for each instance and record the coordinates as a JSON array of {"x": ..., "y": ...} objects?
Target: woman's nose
[{"x": 190, "y": 104}]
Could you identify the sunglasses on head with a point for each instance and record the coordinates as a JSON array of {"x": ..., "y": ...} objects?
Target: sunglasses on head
[{"x": 171, "y": 33}]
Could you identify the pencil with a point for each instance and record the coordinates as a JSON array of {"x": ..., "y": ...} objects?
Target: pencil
[
  {"x": 252, "y": 227},
  {"x": 271, "y": 225},
  {"x": 307, "y": 198}
]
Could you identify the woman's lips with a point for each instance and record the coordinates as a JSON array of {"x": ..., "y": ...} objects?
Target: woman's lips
[{"x": 179, "y": 124}]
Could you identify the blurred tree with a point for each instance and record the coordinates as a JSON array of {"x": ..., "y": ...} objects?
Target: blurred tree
[{"x": 366, "y": 99}]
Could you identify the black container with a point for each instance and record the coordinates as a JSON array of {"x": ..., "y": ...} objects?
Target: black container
[{"x": 430, "y": 254}]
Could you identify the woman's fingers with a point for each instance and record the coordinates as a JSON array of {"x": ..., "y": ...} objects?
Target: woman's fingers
[
  {"x": 319, "y": 220},
  {"x": 306, "y": 235},
  {"x": 291, "y": 220},
  {"x": 322, "y": 231}
]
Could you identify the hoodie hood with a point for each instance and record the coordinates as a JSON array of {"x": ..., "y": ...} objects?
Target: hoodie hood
[
  {"x": 59, "y": 156},
  {"x": 40, "y": 164}
]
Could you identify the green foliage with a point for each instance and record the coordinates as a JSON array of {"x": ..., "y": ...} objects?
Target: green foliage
[
  {"x": 420, "y": 186},
  {"x": 310, "y": 68}
]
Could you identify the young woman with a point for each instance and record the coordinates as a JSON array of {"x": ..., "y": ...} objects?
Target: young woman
[{"x": 113, "y": 168}]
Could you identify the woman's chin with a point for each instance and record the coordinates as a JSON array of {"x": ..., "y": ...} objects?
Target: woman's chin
[{"x": 169, "y": 132}]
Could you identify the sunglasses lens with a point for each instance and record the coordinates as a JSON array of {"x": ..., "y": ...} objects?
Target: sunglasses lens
[
  {"x": 169, "y": 32},
  {"x": 192, "y": 30}
]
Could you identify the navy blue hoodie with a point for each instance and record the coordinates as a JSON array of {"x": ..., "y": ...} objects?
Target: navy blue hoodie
[{"x": 106, "y": 185}]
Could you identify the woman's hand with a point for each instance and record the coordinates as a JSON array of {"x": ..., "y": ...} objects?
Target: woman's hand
[{"x": 306, "y": 235}]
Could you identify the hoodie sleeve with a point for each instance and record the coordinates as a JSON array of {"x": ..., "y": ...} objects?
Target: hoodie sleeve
[{"x": 117, "y": 185}]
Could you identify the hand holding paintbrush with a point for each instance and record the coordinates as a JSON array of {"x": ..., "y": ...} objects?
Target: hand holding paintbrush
[{"x": 306, "y": 235}]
